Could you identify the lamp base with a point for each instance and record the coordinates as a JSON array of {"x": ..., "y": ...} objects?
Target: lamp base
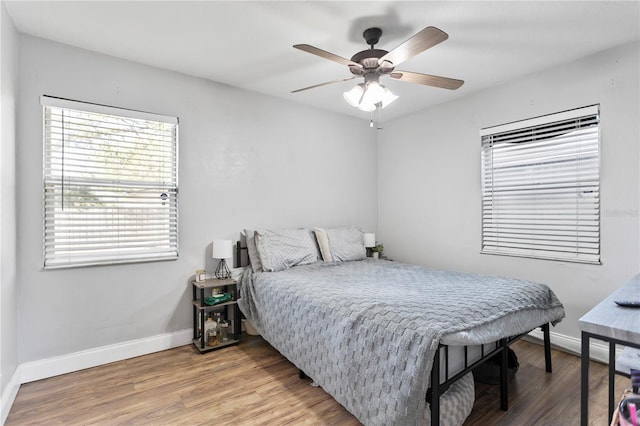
[{"x": 222, "y": 271}]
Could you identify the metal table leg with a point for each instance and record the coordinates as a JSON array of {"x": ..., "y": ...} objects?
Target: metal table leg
[
  {"x": 612, "y": 375},
  {"x": 584, "y": 380}
]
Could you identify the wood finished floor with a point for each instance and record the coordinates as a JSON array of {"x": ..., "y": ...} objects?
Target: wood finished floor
[{"x": 252, "y": 384}]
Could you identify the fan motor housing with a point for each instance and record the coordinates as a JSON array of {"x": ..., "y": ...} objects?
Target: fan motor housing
[{"x": 369, "y": 61}]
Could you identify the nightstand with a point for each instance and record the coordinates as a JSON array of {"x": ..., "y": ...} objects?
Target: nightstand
[{"x": 229, "y": 310}]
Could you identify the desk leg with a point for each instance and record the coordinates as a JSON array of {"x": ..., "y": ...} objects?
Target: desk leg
[
  {"x": 612, "y": 376},
  {"x": 584, "y": 380}
]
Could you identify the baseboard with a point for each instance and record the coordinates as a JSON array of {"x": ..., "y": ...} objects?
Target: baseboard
[
  {"x": 9, "y": 395},
  {"x": 598, "y": 351},
  {"x": 44, "y": 368}
]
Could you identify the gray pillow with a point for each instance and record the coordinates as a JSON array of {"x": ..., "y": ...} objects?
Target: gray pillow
[
  {"x": 254, "y": 258},
  {"x": 346, "y": 244},
  {"x": 283, "y": 248}
]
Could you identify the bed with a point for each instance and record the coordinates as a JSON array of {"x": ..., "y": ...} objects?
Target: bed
[{"x": 369, "y": 331}]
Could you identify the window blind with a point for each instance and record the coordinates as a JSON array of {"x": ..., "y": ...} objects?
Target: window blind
[
  {"x": 541, "y": 187},
  {"x": 110, "y": 185}
]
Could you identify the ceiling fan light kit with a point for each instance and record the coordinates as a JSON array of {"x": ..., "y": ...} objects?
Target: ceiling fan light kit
[
  {"x": 369, "y": 96},
  {"x": 373, "y": 63}
]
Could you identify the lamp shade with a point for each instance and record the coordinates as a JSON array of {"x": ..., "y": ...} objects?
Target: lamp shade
[
  {"x": 369, "y": 240},
  {"x": 373, "y": 93},
  {"x": 222, "y": 249},
  {"x": 354, "y": 95},
  {"x": 387, "y": 97}
]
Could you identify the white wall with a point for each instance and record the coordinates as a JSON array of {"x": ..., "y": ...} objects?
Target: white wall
[
  {"x": 8, "y": 284},
  {"x": 246, "y": 160},
  {"x": 429, "y": 178}
]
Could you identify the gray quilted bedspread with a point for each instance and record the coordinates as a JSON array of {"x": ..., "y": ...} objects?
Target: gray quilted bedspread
[{"x": 367, "y": 331}]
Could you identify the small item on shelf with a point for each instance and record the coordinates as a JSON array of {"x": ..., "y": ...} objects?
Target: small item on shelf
[
  {"x": 213, "y": 339},
  {"x": 211, "y": 332},
  {"x": 223, "y": 326},
  {"x": 201, "y": 275},
  {"x": 209, "y": 324},
  {"x": 218, "y": 320},
  {"x": 217, "y": 298}
]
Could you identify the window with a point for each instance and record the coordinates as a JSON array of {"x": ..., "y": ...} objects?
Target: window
[
  {"x": 541, "y": 187},
  {"x": 110, "y": 185}
]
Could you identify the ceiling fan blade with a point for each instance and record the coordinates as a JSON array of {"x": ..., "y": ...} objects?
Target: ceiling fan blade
[
  {"x": 324, "y": 84},
  {"x": 327, "y": 55},
  {"x": 426, "y": 79},
  {"x": 420, "y": 42}
]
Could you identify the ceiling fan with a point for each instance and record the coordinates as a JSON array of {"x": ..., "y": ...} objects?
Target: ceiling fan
[{"x": 374, "y": 63}]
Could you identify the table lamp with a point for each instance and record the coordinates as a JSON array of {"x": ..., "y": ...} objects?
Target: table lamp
[
  {"x": 222, "y": 249},
  {"x": 369, "y": 242}
]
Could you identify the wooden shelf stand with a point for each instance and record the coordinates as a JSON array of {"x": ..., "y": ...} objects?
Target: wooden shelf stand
[{"x": 229, "y": 311}]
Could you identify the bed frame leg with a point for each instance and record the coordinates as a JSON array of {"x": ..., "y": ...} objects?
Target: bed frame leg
[
  {"x": 301, "y": 374},
  {"x": 504, "y": 386},
  {"x": 434, "y": 403},
  {"x": 547, "y": 347}
]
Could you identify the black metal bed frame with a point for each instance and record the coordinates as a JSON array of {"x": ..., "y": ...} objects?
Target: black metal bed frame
[
  {"x": 237, "y": 262},
  {"x": 438, "y": 389}
]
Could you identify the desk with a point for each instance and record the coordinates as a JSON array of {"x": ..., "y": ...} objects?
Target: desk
[{"x": 613, "y": 324}]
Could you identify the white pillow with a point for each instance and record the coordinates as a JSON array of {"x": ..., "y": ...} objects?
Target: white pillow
[{"x": 323, "y": 243}]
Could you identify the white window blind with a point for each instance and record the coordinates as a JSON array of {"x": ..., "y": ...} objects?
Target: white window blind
[
  {"x": 541, "y": 187},
  {"x": 110, "y": 185}
]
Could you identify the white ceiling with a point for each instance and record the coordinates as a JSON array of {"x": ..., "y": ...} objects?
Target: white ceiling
[{"x": 249, "y": 44}]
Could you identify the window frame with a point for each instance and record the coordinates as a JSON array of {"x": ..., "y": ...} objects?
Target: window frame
[
  {"x": 119, "y": 249},
  {"x": 586, "y": 237}
]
